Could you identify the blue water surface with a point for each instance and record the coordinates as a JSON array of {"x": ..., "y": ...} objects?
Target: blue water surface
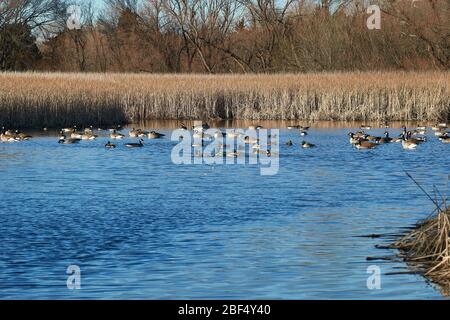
[{"x": 141, "y": 227}]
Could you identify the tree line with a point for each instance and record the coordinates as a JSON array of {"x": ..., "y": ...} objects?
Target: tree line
[{"x": 223, "y": 36}]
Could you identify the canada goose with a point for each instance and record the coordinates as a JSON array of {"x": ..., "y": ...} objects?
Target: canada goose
[
  {"x": 307, "y": 145},
  {"x": 303, "y": 133},
  {"x": 303, "y": 128},
  {"x": 440, "y": 133},
  {"x": 135, "y": 145},
  {"x": 134, "y": 132},
  {"x": 362, "y": 144},
  {"x": 4, "y": 137},
  {"x": 365, "y": 127},
  {"x": 116, "y": 135},
  {"x": 293, "y": 127},
  {"x": 88, "y": 136},
  {"x": 415, "y": 140},
  {"x": 289, "y": 143},
  {"x": 64, "y": 140},
  {"x": 385, "y": 139},
  {"x": 155, "y": 135},
  {"x": 22, "y": 136},
  {"x": 408, "y": 144},
  {"x": 439, "y": 126},
  {"x": 352, "y": 139},
  {"x": 255, "y": 127},
  {"x": 109, "y": 145},
  {"x": 445, "y": 139},
  {"x": 421, "y": 128},
  {"x": 7, "y": 132},
  {"x": 183, "y": 126}
]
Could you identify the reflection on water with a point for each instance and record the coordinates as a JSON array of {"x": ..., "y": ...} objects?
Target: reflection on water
[{"x": 141, "y": 227}]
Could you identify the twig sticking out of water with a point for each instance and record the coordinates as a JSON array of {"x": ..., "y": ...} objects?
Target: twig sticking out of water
[{"x": 426, "y": 193}]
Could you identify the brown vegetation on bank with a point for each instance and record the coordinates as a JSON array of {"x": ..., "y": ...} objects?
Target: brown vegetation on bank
[
  {"x": 63, "y": 99},
  {"x": 428, "y": 247}
]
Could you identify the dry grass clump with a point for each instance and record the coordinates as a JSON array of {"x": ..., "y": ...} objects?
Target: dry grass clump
[
  {"x": 428, "y": 246},
  {"x": 62, "y": 99}
]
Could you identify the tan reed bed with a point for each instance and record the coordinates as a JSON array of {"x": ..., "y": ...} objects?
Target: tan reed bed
[
  {"x": 428, "y": 247},
  {"x": 59, "y": 99}
]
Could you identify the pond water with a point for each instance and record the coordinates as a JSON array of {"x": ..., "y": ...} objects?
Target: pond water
[{"x": 141, "y": 227}]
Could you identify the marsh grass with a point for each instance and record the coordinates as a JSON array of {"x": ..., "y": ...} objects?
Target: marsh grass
[
  {"x": 63, "y": 99},
  {"x": 427, "y": 246}
]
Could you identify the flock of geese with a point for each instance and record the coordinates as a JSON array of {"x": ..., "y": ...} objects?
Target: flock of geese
[
  {"x": 409, "y": 139},
  {"x": 87, "y": 134}
]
